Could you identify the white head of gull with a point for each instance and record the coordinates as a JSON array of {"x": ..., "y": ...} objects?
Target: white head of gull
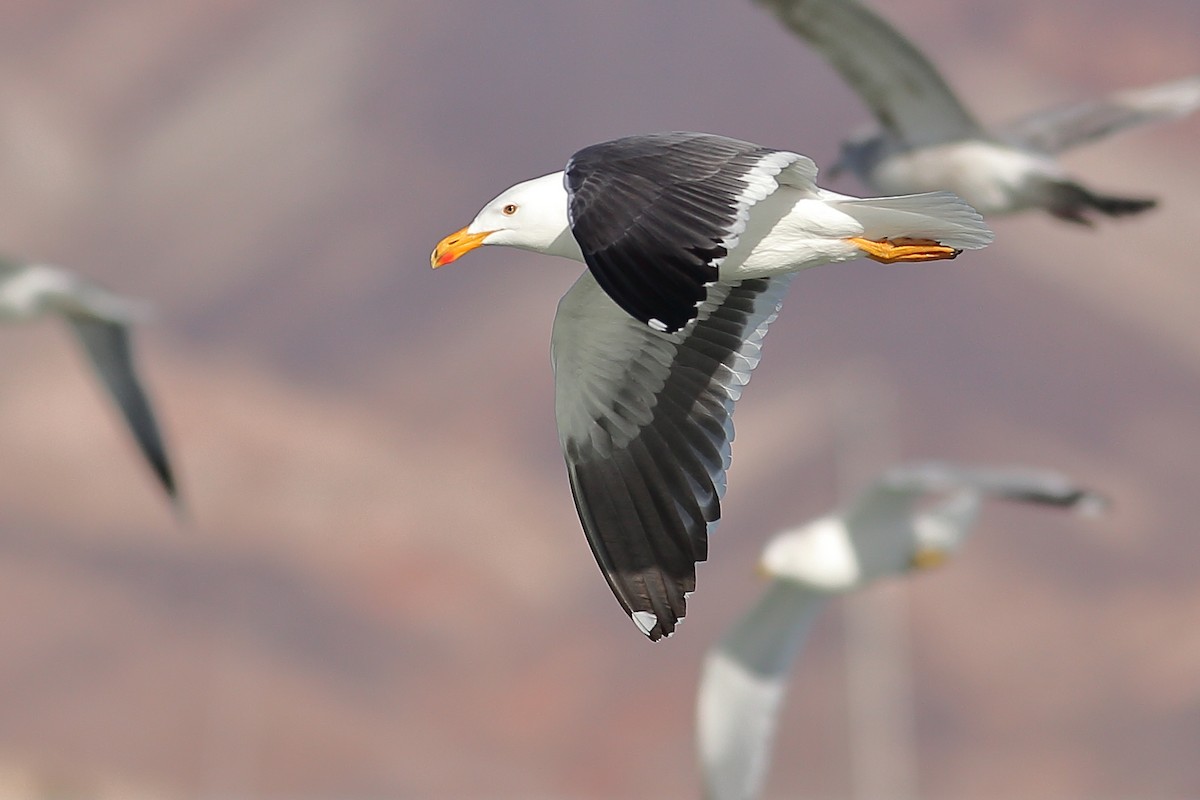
[
  {"x": 531, "y": 216},
  {"x": 690, "y": 241}
]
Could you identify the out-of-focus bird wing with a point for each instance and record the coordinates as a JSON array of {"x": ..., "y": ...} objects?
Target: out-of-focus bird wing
[
  {"x": 107, "y": 346},
  {"x": 1054, "y": 130},
  {"x": 1022, "y": 484},
  {"x": 883, "y": 518},
  {"x": 897, "y": 82},
  {"x": 743, "y": 685}
]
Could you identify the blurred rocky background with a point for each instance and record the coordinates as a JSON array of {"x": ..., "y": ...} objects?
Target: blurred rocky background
[{"x": 382, "y": 589}]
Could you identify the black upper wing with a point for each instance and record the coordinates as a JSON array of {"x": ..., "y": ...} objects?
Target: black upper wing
[{"x": 655, "y": 215}]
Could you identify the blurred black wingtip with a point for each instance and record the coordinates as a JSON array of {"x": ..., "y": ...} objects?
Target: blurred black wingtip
[{"x": 1082, "y": 501}]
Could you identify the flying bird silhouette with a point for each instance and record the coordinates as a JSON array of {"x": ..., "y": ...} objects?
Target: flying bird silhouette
[
  {"x": 690, "y": 241},
  {"x": 886, "y": 530},
  {"x": 926, "y": 139},
  {"x": 99, "y": 319}
]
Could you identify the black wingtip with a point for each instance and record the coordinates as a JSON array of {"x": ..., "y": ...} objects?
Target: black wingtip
[
  {"x": 1083, "y": 501},
  {"x": 1071, "y": 202},
  {"x": 1122, "y": 206},
  {"x": 166, "y": 479}
]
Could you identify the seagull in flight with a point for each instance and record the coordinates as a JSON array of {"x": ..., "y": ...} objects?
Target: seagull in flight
[
  {"x": 99, "y": 319},
  {"x": 913, "y": 517},
  {"x": 926, "y": 139},
  {"x": 690, "y": 241}
]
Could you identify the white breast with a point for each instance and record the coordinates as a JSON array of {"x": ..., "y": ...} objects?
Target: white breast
[
  {"x": 788, "y": 231},
  {"x": 820, "y": 555},
  {"x": 992, "y": 177}
]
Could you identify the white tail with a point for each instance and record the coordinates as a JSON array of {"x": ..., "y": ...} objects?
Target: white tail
[{"x": 942, "y": 216}]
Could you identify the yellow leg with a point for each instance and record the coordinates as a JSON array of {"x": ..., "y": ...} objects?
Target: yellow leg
[
  {"x": 928, "y": 558},
  {"x": 890, "y": 251}
]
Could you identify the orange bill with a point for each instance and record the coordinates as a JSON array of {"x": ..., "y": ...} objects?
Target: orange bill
[{"x": 455, "y": 246}]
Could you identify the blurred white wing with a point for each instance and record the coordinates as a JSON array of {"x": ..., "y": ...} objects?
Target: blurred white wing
[
  {"x": 900, "y": 486},
  {"x": 1057, "y": 129},
  {"x": 902, "y": 88},
  {"x": 742, "y": 688}
]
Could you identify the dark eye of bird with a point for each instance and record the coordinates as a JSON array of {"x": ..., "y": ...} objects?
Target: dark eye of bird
[{"x": 509, "y": 210}]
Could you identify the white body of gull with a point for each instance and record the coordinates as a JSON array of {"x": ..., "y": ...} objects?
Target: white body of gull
[
  {"x": 690, "y": 241},
  {"x": 930, "y": 141},
  {"x": 883, "y": 532},
  {"x": 99, "y": 319}
]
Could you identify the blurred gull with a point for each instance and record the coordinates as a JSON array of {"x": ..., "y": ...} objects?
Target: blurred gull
[
  {"x": 883, "y": 532},
  {"x": 99, "y": 319},
  {"x": 930, "y": 141}
]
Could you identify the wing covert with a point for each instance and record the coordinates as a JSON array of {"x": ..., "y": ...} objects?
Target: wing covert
[{"x": 656, "y": 215}]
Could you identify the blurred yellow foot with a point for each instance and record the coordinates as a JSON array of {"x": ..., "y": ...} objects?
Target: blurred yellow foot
[
  {"x": 891, "y": 251},
  {"x": 928, "y": 558}
]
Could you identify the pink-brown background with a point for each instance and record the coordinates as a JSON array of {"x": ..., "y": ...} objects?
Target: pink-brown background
[{"x": 384, "y": 590}]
